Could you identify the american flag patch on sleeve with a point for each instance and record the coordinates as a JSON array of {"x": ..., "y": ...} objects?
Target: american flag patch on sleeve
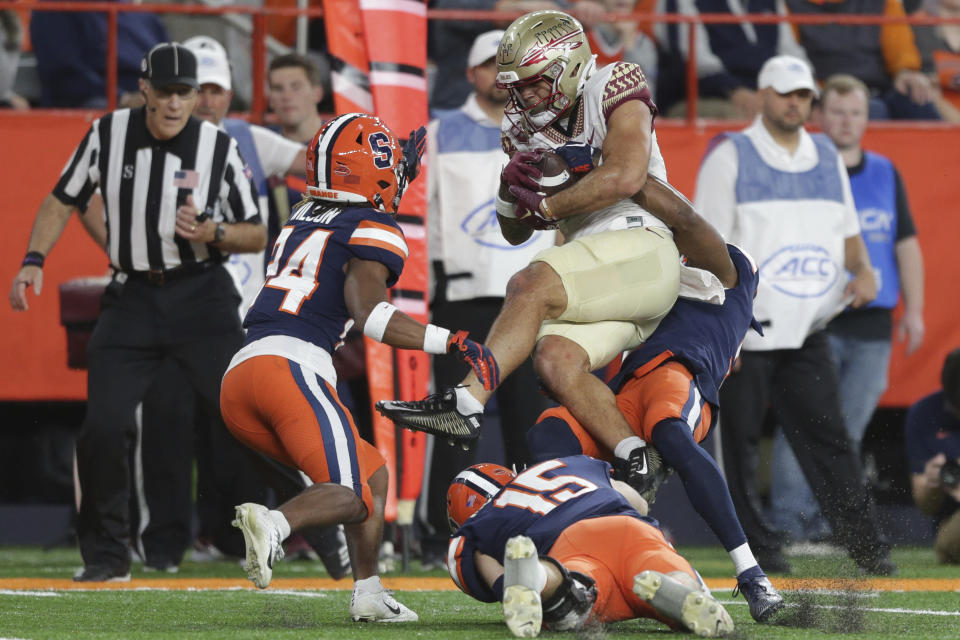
[{"x": 186, "y": 179}]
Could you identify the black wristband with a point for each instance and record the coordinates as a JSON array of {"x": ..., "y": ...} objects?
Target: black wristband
[{"x": 33, "y": 258}]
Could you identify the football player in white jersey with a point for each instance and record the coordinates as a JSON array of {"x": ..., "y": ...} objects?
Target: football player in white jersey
[{"x": 606, "y": 289}]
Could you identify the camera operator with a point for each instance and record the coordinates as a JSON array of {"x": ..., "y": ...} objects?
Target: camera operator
[{"x": 932, "y": 431}]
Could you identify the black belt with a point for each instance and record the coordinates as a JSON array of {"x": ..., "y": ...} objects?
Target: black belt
[{"x": 160, "y": 277}]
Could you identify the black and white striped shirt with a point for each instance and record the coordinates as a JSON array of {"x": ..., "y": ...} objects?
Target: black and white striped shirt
[{"x": 144, "y": 180}]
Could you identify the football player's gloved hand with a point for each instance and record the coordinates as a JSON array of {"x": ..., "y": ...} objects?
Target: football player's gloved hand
[
  {"x": 479, "y": 357},
  {"x": 521, "y": 172},
  {"x": 529, "y": 210},
  {"x": 578, "y": 155},
  {"x": 635, "y": 470},
  {"x": 413, "y": 151}
]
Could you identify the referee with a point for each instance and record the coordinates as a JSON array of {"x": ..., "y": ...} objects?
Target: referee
[{"x": 178, "y": 199}]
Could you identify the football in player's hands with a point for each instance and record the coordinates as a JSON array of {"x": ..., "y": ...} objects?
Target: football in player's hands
[{"x": 556, "y": 173}]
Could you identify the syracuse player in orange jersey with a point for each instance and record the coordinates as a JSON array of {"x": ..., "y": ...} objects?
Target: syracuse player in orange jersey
[
  {"x": 562, "y": 545},
  {"x": 330, "y": 267}
]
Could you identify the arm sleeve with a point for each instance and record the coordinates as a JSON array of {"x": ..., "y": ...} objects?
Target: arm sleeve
[
  {"x": 905, "y": 226},
  {"x": 897, "y": 42},
  {"x": 80, "y": 176},
  {"x": 238, "y": 195},
  {"x": 463, "y": 570},
  {"x": 715, "y": 195}
]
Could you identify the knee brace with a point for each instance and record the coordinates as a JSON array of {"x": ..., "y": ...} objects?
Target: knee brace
[{"x": 570, "y": 605}]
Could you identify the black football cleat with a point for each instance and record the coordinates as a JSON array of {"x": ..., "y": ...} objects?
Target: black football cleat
[
  {"x": 762, "y": 597},
  {"x": 436, "y": 414}
]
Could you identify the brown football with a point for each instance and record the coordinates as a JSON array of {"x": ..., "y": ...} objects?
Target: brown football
[{"x": 557, "y": 175}]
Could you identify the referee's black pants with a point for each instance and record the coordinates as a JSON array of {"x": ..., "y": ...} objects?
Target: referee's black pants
[
  {"x": 800, "y": 387},
  {"x": 518, "y": 399},
  {"x": 192, "y": 320}
]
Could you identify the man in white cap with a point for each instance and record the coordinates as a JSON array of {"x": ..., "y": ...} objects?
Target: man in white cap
[
  {"x": 472, "y": 264},
  {"x": 784, "y": 196}
]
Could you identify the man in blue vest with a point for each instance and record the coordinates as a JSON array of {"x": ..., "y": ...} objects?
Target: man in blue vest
[
  {"x": 784, "y": 196},
  {"x": 860, "y": 338}
]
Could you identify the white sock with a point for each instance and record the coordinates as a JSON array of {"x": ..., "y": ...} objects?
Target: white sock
[
  {"x": 466, "y": 403},
  {"x": 625, "y": 446},
  {"x": 742, "y": 558},
  {"x": 281, "y": 521},
  {"x": 368, "y": 585}
]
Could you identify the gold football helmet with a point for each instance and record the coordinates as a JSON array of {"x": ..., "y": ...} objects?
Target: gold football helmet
[{"x": 543, "y": 45}]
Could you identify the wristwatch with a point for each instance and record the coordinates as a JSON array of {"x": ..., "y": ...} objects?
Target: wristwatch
[{"x": 220, "y": 233}]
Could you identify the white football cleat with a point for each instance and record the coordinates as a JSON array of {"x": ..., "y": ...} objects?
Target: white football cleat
[
  {"x": 522, "y": 607},
  {"x": 379, "y": 607},
  {"x": 695, "y": 609},
  {"x": 262, "y": 538}
]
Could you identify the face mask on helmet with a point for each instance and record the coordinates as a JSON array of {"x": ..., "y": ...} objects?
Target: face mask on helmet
[
  {"x": 356, "y": 159},
  {"x": 472, "y": 488},
  {"x": 548, "y": 46}
]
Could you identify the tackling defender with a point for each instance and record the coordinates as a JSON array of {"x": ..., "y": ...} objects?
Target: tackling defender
[
  {"x": 330, "y": 267},
  {"x": 667, "y": 389},
  {"x": 564, "y": 507}
]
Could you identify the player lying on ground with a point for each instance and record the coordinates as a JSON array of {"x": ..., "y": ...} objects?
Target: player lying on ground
[
  {"x": 330, "y": 267},
  {"x": 560, "y": 544}
]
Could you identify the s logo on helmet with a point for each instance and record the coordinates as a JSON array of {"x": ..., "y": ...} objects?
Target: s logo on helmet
[
  {"x": 382, "y": 150},
  {"x": 801, "y": 271}
]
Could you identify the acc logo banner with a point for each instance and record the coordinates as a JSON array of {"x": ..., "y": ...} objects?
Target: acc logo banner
[
  {"x": 801, "y": 271},
  {"x": 482, "y": 227}
]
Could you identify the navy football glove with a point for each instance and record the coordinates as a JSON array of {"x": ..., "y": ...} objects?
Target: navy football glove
[
  {"x": 579, "y": 157},
  {"x": 521, "y": 172},
  {"x": 413, "y": 151},
  {"x": 479, "y": 358}
]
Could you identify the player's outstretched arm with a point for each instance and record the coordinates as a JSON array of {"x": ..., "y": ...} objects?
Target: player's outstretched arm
[
  {"x": 696, "y": 238},
  {"x": 365, "y": 293}
]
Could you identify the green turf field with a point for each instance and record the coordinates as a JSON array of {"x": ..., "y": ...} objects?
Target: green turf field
[{"x": 235, "y": 613}]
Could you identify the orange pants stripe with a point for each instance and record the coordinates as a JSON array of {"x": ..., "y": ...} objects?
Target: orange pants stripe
[
  {"x": 666, "y": 392},
  {"x": 291, "y": 414},
  {"x": 629, "y": 546}
]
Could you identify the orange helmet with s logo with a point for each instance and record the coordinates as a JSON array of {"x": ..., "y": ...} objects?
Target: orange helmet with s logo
[
  {"x": 472, "y": 488},
  {"x": 356, "y": 159}
]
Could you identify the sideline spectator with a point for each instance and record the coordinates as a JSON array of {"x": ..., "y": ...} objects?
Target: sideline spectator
[
  {"x": 932, "y": 432},
  {"x": 11, "y": 36},
  {"x": 859, "y": 338},
  {"x": 784, "y": 196},
  {"x": 471, "y": 266},
  {"x": 885, "y": 57},
  {"x": 729, "y": 57},
  {"x": 71, "y": 49},
  {"x": 940, "y": 49},
  {"x": 296, "y": 87},
  {"x": 165, "y": 255}
]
